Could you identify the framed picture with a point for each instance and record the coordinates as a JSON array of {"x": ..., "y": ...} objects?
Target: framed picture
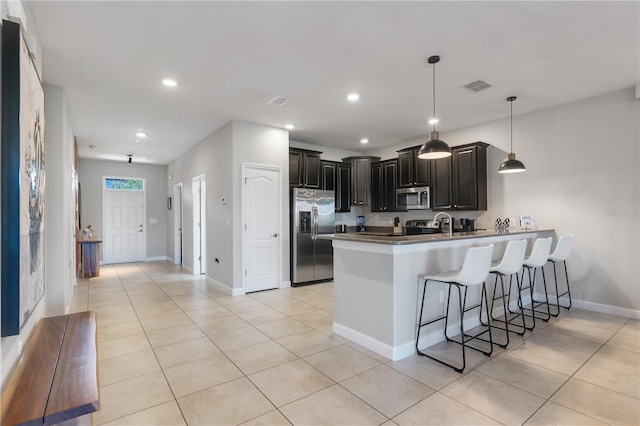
[{"x": 22, "y": 182}]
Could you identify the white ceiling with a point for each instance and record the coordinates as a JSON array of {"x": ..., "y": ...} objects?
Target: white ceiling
[{"x": 230, "y": 58}]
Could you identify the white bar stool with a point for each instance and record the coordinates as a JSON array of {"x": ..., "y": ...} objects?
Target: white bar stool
[
  {"x": 537, "y": 259},
  {"x": 561, "y": 254},
  {"x": 511, "y": 263},
  {"x": 474, "y": 271}
]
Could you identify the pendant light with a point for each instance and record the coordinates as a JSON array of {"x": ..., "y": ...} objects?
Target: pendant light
[
  {"x": 434, "y": 148},
  {"x": 512, "y": 165}
]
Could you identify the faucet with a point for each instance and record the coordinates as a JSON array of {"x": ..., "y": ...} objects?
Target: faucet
[{"x": 450, "y": 224}]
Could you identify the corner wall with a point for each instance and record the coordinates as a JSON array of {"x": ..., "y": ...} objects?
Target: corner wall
[
  {"x": 60, "y": 242},
  {"x": 220, "y": 157}
]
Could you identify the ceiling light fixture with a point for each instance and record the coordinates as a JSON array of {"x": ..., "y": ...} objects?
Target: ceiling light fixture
[
  {"x": 353, "y": 97},
  {"x": 130, "y": 156},
  {"x": 511, "y": 165},
  {"x": 169, "y": 82},
  {"x": 433, "y": 121},
  {"x": 289, "y": 126},
  {"x": 93, "y": 147},
  {"x": 365, "y": 140},
  {"x": 141, "y": 134},
  {"x": 434, "y": 148}
]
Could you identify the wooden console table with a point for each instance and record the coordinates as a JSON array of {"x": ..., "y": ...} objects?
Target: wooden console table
[{"x": 89, "y": 264}]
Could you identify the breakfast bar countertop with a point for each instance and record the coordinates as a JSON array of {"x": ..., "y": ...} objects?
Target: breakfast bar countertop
[{"x": 381, "y": 238}]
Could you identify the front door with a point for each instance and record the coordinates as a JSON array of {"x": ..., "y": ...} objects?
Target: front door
[
  {"x": 123, "y": 226},
  {"x": 262, "y": 213}
]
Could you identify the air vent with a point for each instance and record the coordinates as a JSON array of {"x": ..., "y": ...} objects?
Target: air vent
[
  {"x": 478, "y": 85},
  {"x": 278, "y": 101}
]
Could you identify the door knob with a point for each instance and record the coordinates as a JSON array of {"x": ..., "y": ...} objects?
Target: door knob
[{"x": 275, "y": 234}]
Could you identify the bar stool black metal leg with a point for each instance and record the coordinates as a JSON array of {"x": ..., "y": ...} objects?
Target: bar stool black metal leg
[
  {"x": 464, "y": 357},
  {"x": 420, "y": 317}
]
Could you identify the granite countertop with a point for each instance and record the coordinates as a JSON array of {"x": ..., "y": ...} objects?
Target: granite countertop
[{"x": 382, "y": 238}]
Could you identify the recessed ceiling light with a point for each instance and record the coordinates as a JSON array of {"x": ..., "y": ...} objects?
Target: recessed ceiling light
[
  {"x": 365, "y": 140},
  {"x": 93, "y": 147},
  {"x": 141, "y": 135},
  {"x": 433, "y": 121},
  {"x": 289, "y": 126},
  {"x": 353, "y": 97},
  {"x": 169, "y": 82}
]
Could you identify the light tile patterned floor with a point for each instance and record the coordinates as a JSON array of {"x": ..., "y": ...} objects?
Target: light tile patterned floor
[{"x": 174, "y": 350}]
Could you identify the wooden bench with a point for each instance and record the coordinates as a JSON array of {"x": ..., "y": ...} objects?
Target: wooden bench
[{"x": 56, "y": 378}]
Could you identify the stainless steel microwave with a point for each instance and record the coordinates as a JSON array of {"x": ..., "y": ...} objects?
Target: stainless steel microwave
[{"x": 418, "y": 198}]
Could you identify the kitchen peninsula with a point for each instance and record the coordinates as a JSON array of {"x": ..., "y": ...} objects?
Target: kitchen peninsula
[{"x": 376, "y": 281}]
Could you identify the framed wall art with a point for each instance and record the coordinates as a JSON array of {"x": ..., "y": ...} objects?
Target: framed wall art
[{"x": 22, "y": 184}]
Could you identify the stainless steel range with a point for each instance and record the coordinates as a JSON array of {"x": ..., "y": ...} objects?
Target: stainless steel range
[{"x": 418, "y": 227}]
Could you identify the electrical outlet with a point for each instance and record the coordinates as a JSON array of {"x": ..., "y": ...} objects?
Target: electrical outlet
[{"x": 512, "y": 221}]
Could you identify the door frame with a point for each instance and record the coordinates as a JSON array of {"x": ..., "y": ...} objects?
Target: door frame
[
  {"x": 178, "y": 224},
  {"x": 277, "y": 169},
  {"x": 144, "y": 211},
  {"x": 199, "y": 204}
]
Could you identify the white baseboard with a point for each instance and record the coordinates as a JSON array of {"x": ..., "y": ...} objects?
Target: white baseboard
[
  {"x": 228, "y": 290},
  {"x": 285, "y": 284},
  {"x": 170, "y": 259},
  {"x": 187, "y": 269},
  {"x": 364, "y": 340},
  {"x": 595, "y": 307},
  {"x": 155, "y": 258}
]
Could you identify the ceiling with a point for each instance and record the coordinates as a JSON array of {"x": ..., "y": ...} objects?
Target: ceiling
[{"x": 231, "y": 58}]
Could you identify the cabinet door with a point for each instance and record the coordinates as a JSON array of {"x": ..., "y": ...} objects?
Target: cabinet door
[
  {"x": 390, "y": 172},
  {"x": 421, "y": 171},
  {"x": 311, "y": 170},
  {"x": 295, "y": 168},
  {"x": 343, "y": 187},
  {"x": 360, "y": 180},
  {"x": 441, "y": 184},
  {"x": 405, "y": 169},
  {"x": 328, "y": 176},
  {"x": 465, "y": 187},
  {"x": 377, "y": 188}
]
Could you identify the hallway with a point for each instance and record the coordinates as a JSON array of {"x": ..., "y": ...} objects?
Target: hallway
[{"x": 175, "y": 350}]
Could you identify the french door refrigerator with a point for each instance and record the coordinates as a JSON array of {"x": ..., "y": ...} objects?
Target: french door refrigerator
[{"x": 313, "y": 214}]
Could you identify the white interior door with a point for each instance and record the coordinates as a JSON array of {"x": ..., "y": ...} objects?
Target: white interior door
[
  {"x": 199, "y": 225},
  {"x": 177, "y": 224},
  {"x": 123, "y": 226},
  {"x": 262, "y": 242}
]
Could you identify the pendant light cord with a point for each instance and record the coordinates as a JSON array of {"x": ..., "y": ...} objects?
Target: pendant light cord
[
  {"x": 434, "y": 97},
  {"x": 511, "y": 126}
]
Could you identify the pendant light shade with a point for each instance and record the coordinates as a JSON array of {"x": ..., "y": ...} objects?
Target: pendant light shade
[
  {"x": 434, "y": 148},
  {"x": 512, "y": 165}
]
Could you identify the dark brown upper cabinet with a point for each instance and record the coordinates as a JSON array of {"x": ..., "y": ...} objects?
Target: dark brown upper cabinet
[
  {"x": 304, "y": 168},
  {"x": 460, "y": 181},
  {"x": 361, "y": 179},
  {"x": 343, "y": 187},
  {"x": 384, "y": 181},
  {"x": 328, "y": 175},
  {"x": 413, "y": 171}
]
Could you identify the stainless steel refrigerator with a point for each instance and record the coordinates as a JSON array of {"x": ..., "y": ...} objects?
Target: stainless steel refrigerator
[{"x": 313, "y": 214}]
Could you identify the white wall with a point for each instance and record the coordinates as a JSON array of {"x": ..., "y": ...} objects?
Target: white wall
[
  {"x": 582, "y": 178},
  {"x": 220, "y": 157},
  {"x": 328, "y": 153},
  {"x": 211, "y": 157},
  {"x": 258, "y": 144},
  {"x": 59, "y": 202},
  {"x": 90, "y": 178}
]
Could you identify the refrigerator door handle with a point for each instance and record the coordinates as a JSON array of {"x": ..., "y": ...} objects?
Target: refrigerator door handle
[{"x": 314, "y": 223}]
